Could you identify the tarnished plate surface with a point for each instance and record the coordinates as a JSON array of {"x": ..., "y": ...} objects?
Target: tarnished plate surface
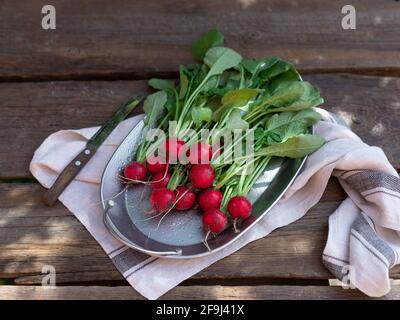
[{"x": 179, "y": 235}]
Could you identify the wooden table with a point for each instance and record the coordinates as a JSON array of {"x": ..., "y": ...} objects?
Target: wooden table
[{"x": 102, "y": 52}]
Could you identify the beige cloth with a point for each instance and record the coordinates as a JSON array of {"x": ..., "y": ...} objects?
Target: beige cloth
[{"x": 363, "y": 231}]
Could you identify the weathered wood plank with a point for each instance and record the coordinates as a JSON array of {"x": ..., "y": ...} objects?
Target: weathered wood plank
[
  {"x": 369, "y": 105},
  {"x": 32, "y": 235},
  {"x": 137, "y": 38},
  {"x": 31, "y": 111},
  {"x": 264, "y": 292}
]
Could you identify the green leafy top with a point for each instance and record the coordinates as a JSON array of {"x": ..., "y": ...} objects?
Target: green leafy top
[
  {"x": 225, "y": 92},
  {"x": 220, "y": 59},
  {"x": 294, "y": 147},
  {"x": 161, "y": 84},
  {"x": 212, "y": 38},
  {"x": 285, "y": 125},
  {"x": 153, "y": 107}
]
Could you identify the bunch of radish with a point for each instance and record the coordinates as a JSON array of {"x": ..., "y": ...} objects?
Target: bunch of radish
[
  {"x": 198, "y": 189},
  {"x": 263, "y": 98}
]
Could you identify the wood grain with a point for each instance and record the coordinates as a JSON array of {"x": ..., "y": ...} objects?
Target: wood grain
[
  {"x": 32, "y": 235},
  {"x": 126, "y": 40},
  {"x": 369, "y": 105},
  {"x": 139, "y": 38},
  {"x": 190, "y": 292},
  {"x": 29, "y": 112}
]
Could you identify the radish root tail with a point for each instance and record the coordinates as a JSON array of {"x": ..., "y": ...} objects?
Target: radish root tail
[
  {"x": 205, "y": 240},
  {"x": 235, "y": 227}
]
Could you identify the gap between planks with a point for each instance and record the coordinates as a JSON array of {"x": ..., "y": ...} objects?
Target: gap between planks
[{"x": 136, "y": 76}]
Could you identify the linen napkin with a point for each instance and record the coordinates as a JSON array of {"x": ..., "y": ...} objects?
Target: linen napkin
[{"x": 363, "y": 241}]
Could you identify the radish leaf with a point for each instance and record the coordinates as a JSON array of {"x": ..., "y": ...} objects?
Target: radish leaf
[
  {"x": 239, "y": 98},
  {"x": 184, "y": 82},
  {"x": 201, "y": 114},
  {"x": 210, "y": 39},
  {"x": 235, "y": 121},
  {"x": 220, "y": 59},
  {"x": 236, "y": 99},
  {"x": 161, "y": 84},
  {"x": 153, "y": 107},
  {"x": 295, "y": 147}
]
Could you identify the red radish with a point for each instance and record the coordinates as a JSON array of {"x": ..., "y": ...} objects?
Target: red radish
[
  {"x": 199, "y": 153},
  {"x": 210, "y": 198},
  {"x": 160, "y": 180},
  {"x": 135, "y": 171},
  {"x": 155, "y": 164},
  {"x": 214, "y": 221},
  {"x": 202, "y": 176},
  {"x": 239, "y": 207},
  {"x": 173, "y": 149},
  {"x": 185, "y": 198},
  {"x": 162, "y": 199}
]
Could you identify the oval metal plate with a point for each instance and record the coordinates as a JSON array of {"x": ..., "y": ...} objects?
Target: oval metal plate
[{"x": 179, "y": 234}]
